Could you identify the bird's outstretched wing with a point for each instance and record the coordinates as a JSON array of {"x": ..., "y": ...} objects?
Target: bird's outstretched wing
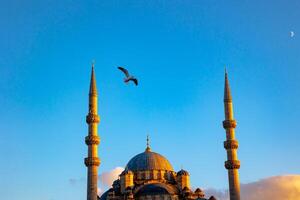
[
  {"x": 134, "y": 80},
  {"x": 124, "y": 71}
]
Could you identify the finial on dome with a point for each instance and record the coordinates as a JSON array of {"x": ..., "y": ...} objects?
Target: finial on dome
[{"x": 148, "y": 144}]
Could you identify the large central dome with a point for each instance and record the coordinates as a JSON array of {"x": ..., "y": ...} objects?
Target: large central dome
[{"x": 149, "y": 160}]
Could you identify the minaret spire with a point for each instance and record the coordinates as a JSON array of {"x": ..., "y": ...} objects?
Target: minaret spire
[
  {"x": 92, "y": 140},
  {"x": 232, "y": 164},
  {"x": 227, "y": 93},
  {"x": 93, "y": 87}
]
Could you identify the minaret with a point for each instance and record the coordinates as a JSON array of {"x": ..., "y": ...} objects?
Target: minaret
[
  {"x": 92, "y": 140},
  {"x": 232, "y": 164}
]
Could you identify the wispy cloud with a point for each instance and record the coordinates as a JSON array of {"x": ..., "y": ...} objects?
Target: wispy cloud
[
  {"x": 107, "y": 178},
  {"x": 276, "y": 188}
]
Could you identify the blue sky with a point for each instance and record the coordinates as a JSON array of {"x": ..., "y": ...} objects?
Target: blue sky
[{"x": 178, "y": 50}]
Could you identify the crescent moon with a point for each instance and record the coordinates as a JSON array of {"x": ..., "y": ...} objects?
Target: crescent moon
[{"x": 292, "y": 34}]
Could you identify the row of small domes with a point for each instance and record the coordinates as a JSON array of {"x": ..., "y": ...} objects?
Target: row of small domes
[{"x": 179, "y": 173}]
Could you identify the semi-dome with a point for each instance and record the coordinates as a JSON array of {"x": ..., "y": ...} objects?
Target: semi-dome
[{"x": 149, "y": 160}]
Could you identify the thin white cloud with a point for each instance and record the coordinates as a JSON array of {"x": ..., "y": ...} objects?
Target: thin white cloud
[{"x": 107, "y": 178}]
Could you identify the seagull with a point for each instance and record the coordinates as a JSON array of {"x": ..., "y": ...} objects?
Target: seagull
[{"x": 128, "y": 76}]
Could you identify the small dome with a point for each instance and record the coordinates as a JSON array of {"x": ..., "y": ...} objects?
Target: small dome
[
  {"x": 149, "y": 160},
  {"x": 212, "y": 198},
  {"x": 199, "y": 192},
  {"x": 182, "y": 172}
]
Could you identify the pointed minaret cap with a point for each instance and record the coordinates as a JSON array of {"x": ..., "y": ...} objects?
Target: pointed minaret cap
[
  {"x": 93, "y": 87},
  {"x": 227, "y": 93},
  {"x": 148, "y": 149}
]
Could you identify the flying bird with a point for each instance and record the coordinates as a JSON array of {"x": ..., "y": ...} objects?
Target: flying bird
[{"x": 128, "y": 76}]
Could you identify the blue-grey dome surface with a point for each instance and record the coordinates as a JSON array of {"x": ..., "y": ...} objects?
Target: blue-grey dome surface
[{"x": 149, "y": 160}]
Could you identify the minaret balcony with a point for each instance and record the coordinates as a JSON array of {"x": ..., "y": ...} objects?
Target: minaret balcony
[
  {"x": 92, "y": 118},
  {"x": 232, "y": 164},
  {"x": 92, "y": 139},
  {"x": 231, "y": 144},
  {"x": 229, "y": 124},
  {"x": 92, "y": 161}
]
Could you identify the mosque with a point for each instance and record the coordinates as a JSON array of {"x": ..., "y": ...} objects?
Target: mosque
[{"x": 149, "y": 175}]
